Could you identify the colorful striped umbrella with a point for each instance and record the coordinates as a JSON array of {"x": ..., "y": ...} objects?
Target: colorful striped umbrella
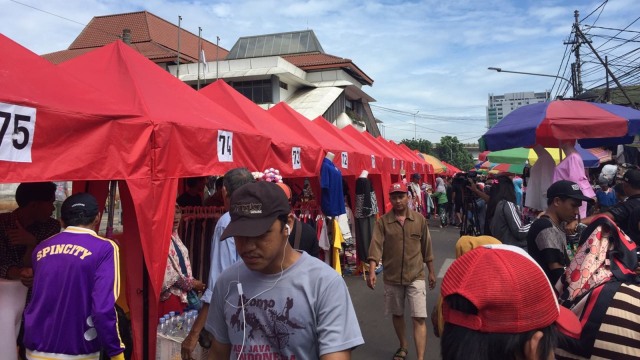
[
  {"x": 438, "y": 166},
  {"x": 507, "y": 168},
  {"x": 549, "y": 123},
  {"x": 526, "y": 155}
]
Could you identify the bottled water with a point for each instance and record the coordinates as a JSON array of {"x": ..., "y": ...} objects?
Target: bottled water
[
  {"x": 162, "y": 326},
  {"x": 172, "y": 323},
  {"x": 189, "y": 322},
  {"x": 179, "y": 326}
]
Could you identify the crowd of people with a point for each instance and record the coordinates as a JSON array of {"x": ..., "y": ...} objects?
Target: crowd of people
[{"x": 561, "y": 286}]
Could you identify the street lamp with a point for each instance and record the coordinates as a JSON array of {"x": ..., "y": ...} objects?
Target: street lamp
[{"x": 528, "y": 73}]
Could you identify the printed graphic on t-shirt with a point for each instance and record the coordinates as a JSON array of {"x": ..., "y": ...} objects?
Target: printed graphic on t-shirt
[{"x": 268, "y": 327}]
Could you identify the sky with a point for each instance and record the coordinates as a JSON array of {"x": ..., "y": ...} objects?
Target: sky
[{"x": 427, "y": 58}]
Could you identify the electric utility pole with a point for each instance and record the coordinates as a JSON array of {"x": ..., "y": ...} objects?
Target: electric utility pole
[{"x": 576, "y": 76}]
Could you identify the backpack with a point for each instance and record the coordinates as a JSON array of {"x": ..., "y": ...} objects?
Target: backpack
[
  {"x": 605, "y": 259},
  {"x": 604, "y": 252}
]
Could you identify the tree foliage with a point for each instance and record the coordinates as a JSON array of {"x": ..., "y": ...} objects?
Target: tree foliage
[
  {"x": 452, "y": 151},
  {"x": 422, "y": 145}
]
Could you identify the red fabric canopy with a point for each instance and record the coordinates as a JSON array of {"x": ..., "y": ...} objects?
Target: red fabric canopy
[
  {"x": 182, "y": 134},
  {"x": 76, "y": 132},
  {"x": 377, "y": 163},
  {"x": 285, "y": 137},
  {"x": 451, "y": 170},
  {"x": 68, "y": 112},
  {"x": 359, "y": 159},
  {"x": 330, "y": 142}
]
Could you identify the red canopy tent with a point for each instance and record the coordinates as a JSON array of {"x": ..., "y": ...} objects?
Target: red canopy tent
[
  {"x": 292, "y": 152},
  {"x": 405, "y": 159},
  {"x": 72, "y": 130},
  {"x": 359, "y": 158},
  {"x": 451, "y": 170},
  {"x": 330, "y": 142},
  {"x": 380, "y": 180},
  {"x": 178, "y": 139},
  {"x": 67, "y": 112}
]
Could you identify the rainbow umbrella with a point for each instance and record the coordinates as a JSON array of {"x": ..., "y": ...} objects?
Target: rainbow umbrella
[
  {"x": 529, "y": 156},
  {"x": 438, "y": 166},
  {"x": 508, "y": 168},
  {"x": 548, "y": 123}
]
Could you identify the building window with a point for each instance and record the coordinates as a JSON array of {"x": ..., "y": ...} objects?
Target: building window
[
  {"x": 258, "y": 91},
  {"x": 284, "y": 85}
]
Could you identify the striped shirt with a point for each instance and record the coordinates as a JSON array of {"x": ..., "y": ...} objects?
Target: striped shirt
[{"x": 619, "y": 334}]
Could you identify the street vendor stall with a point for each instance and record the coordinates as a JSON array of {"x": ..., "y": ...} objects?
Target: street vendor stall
[
  {"x": 292, "y": 152},
  {"x": 181, "y": 134}
]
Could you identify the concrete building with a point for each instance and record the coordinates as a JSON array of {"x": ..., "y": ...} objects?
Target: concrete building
[
  {"x": 290, "y": 67},
  {"x": 500, "y": 105}
]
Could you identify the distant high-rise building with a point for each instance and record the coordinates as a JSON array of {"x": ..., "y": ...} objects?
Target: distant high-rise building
[{"x": 500, "y": 105}]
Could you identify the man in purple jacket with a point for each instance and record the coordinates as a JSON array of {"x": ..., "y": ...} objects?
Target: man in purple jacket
[{"x": 76, "y": 284}]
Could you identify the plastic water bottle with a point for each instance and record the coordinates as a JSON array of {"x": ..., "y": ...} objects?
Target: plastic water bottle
[
  {"x": 180, "y": 322},
  {"x": 162, "y": 326},
  {"x": 172, "y": 323},
  {"x": 189, "y": 322}
]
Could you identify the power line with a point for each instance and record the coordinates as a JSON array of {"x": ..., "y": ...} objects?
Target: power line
[
  {"x": 596, "y": 9},
  {"x": 118, "y": 36}
]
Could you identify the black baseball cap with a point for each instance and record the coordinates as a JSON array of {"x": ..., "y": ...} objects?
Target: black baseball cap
[
  {"x": 632, "y": 177},
  {"x": 566, "y": 189},
  {"x": 79, "y": 205},
  {"x": 254, "y": 207}
]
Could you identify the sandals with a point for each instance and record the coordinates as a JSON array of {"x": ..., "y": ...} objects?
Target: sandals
[{"x": 400, "y": 354}]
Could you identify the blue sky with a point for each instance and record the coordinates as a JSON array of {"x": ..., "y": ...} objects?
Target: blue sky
[{"x": 429, "y": 57}]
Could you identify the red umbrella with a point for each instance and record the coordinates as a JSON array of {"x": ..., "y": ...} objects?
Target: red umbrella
[{"x": 549, "y": 123}]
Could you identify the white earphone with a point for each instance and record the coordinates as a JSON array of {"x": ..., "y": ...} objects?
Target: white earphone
[{"x": 288, "y": 228}]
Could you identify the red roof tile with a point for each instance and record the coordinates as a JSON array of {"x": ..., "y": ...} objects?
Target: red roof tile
[
  {"x": 152, "y": 36},
  {"x": 319, "y": 61}
]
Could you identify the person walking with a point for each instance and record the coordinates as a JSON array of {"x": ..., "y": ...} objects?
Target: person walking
[
  {"x": 72, "y": 312},
  {"x": 401, "y": 239},
  {"x": 278, "y": 303}
]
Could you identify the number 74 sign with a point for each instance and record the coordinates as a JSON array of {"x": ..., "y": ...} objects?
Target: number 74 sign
[{"x": 17, "y": 128}]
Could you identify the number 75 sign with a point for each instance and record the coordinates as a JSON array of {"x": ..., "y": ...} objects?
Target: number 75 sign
[{"x": 17, "y": 128}]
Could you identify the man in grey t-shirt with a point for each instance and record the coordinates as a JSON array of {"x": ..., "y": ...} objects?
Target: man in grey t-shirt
[{"x": 278, "y": 302}]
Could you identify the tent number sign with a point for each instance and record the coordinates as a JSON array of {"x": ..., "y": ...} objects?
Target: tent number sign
[
  {"x": 17, "y": 131},
  {"x": 225, "y": 146},
  {"x": 373, "y": 161},
  {"x": 295, "y": 158},
  {"x": 345, "y": 160}
]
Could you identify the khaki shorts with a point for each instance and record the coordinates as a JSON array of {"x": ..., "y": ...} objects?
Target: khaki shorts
[{"x": 415, "y": 293}]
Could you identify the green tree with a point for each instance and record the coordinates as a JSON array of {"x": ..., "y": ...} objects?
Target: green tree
[
  {"x": 422, "y": 145},
  {"x": 452, "y": 151}
]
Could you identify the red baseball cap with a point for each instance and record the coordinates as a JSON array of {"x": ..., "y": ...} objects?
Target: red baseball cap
[
  {"x": 510, "y": 291},
  {"x": 398, "y": 187}
]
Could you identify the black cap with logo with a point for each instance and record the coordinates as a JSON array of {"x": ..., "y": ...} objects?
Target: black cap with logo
[
  {"x": 254, "y": 207},
  {"x": 79, "y": 205},
  {"x": 566, "y": 189}
]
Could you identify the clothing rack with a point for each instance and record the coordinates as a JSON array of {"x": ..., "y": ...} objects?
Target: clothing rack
[{"x": 196, "y": 230}]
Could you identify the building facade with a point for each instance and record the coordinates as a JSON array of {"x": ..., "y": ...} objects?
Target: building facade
[
  {"x": 500, "y": 105},
  {"x": 292, "y": 67}
]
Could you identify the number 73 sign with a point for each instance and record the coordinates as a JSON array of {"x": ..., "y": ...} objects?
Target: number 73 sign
[{"x": 17, "y": 128}]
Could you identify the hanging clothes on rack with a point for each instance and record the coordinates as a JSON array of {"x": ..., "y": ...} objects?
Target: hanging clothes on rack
[{"x": 365, "y": 213}]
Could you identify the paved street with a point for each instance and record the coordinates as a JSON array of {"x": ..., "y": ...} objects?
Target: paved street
[{"x": 380, "y": 339}]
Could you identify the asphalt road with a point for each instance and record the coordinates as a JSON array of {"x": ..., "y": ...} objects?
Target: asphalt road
[{"x": 377, "y": 329}]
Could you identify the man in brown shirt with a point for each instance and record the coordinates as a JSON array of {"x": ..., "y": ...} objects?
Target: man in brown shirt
[{"x": 401, "y": 239}]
